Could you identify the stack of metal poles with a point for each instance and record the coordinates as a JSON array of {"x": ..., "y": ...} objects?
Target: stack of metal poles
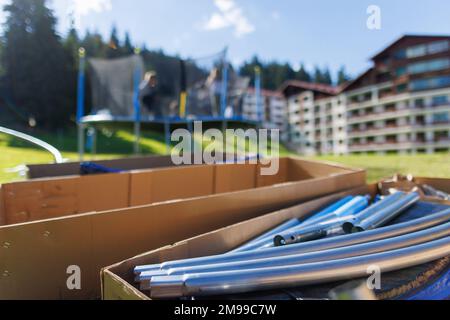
[{"x": 326, "y": 260}]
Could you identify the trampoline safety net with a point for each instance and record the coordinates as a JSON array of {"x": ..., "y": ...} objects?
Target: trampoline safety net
[{"x": 113, "y": 83}]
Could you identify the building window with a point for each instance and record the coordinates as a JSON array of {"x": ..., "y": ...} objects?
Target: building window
[
  {"x": 440, "y": 100},
  {"x": 401, "y": 71},
  {"x": 428, "y": 66},
  {"x": 402, "y": 88},
  {"x": 430, "y": 83},
  {"x": 441, "y": 117},
  {"x": 437, "y": 47},
  {"x": 417, "y": 51}
]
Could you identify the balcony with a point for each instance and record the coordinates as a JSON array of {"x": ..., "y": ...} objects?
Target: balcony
[
  {"x": 398, "y": 145},
  {"x": 395, "y": 129}
]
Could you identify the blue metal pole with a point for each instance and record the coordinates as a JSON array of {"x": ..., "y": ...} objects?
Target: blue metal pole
[
  {"x": 81, "y": 87},
  {"x": 223, "y": 100},
  {"x": 137, "y": 108},
  {"x": 80, "y": 101},
  {"x": 258, "y": 100}
]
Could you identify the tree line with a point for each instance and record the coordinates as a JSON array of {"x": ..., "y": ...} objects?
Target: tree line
[
  {"x": 39, "y": 67},
  {"x": 275, "y": 73}
]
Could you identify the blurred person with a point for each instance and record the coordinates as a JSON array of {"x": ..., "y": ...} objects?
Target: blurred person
[
  {"x": 214, "y": 83},
  {"x": 149, "y": 92}
]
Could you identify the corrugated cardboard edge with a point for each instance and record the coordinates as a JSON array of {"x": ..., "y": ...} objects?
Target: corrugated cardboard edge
[{"x": 116, "y": 287}]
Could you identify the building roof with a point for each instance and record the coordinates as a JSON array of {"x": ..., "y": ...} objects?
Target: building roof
[
  {"x": 266, "y": 93},
  {"x": 318, "y": 87},
  {"x": 408, "y": 37}
]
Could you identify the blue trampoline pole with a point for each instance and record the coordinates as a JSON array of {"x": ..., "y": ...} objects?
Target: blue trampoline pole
[
  {"x": 258, "y": 100},
  {"x": 137, "y": 107},
  {"x": 80, "y": 101}
]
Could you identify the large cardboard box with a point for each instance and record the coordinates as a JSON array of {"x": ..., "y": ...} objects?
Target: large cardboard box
[
  {"x": 57, "y": 197},
  {"x": 38, "y": 171},
  {"x": 118, "y": 279},
  {"x": 35, "y": 256}
]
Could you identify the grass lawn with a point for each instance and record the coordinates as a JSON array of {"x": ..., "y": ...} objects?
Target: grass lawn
[{"x": 14, "y": 153}]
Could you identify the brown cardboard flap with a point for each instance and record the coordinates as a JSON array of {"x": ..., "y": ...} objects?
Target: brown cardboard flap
[
  {"x": 182, "y": 183},
  {"x": 269, "y": 180},
  {"x": 235, "y": 177},
  {"x": 36, "y": 256},
  {"x": 103, "y": 192},
  {"x": 441, "y": 184},
  {"x": 2, "y": 208}
]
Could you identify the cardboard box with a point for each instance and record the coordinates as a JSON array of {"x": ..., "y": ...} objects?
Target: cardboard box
[
  {"x": 42, "y": 199},
  {"x": 118, "y": 280},
  {"x": 35, "y": 255},
  {"x": 39, "y": 171}
]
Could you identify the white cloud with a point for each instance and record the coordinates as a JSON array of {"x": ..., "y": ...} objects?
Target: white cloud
[
  {"x": 80, "y": 8},
  {"x": 230, "y": 15}
]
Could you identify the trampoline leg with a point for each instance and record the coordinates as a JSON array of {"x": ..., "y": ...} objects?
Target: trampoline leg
[
  {"x": 167, "y": 135},
  {"x": 81, "y": 141},
  {"x": 137, "y": 135},
  {"x": 94, "y": 143}
]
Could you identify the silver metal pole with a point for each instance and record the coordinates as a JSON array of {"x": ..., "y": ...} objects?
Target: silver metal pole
[
  {"x": 296, "y": 276},
  {"x": 258, "y": 242},
  {"x": 383, "y": 216},
  {"x": 80, "y": 141},
  {"x": 394, "y": 243},
  {"x": 324, "y": 244}
]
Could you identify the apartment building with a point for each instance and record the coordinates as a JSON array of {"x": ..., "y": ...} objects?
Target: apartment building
[
  {"x": 316, "y": 118},
  {"x": 402, "y": 104},
  {"x": 272, "y": 113}
]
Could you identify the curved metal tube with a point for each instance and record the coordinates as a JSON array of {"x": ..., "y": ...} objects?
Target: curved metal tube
[
  {"x": 294, "y": 276},
  {"x": 404, "y": 241},
  {"x": 387, "y": 214},
  {"x": 44, "y": 145},
  {"x": 324, "y": 244}
]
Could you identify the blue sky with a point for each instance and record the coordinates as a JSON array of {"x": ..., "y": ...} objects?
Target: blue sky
[{"x": 318, "y": 32}]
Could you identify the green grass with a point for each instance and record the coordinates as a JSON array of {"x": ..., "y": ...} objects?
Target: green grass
[
  {"x": 14, "y": 153},
  {"x": 378, "y": 167}
]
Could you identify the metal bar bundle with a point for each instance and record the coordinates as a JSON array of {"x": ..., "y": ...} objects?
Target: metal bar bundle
[
  {"x": 320, "y": 245},
  {"x": 348, "y": 205},
  {"x": 399, "y": 242},
  {"x": 304, "y": 262},
  {"x": 242, "y": 281}
]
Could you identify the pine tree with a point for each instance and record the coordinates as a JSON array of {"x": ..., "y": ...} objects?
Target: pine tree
[
  {"x": 302, "y": 74},
  {"x": 342, "y": 76},
  {"x": 114, "y": 49},
  {"x": 127, "y": 46},
  {"x": 34, "y": 59}
]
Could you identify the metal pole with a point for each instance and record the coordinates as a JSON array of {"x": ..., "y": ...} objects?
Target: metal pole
[
  {"x": 387, "y": 214},
  {"x": 167, "y": 136},
  {"x": 224, "y": 93},
  {"x": 320, "y": 245},
  {"x": 299, "y": 275},
  {"x": 80, "y": 101},
  {"x": 137, "y": 107},
  {"x": 44, "y": 145},
  {"x": 258, "y": 100},
  {"x": 389, "y": 244}
]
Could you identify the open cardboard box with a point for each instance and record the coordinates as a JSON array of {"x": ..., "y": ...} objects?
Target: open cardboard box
[
  {"x": 118, "y": 280},
  {"x": 57, "y": 197},
  {"x": 34, "y": 256},
  {"x": 39, "y": 171}
]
